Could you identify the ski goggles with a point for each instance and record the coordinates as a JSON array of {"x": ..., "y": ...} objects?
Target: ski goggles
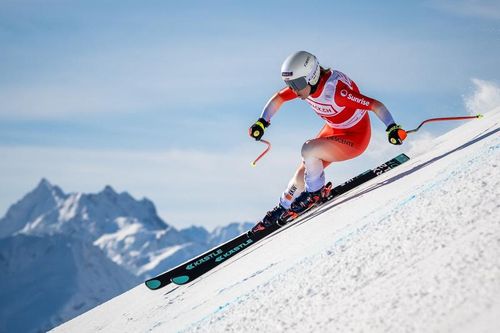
[{"x": 297, "y": 84}]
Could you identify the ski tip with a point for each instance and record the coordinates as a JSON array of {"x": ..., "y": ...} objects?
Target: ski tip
[
  {"x": 253, "y": 164},
  {"x": 479, "y": 116},
  {"x": 153, "y": 284},
  {"x": 183, "y": 279}
]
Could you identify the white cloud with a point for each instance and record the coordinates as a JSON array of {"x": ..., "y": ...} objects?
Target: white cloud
[
  {"x": 187, "y": 186},
  {"x": 486, "y": 97}
]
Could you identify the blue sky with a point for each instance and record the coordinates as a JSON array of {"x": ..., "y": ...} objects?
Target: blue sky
[{"x": 155, "y": 98}]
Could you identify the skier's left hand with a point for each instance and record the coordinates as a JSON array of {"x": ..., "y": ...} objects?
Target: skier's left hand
[
  {"x": 256, "y": 131},
  {"x": 395, "y": 134}
]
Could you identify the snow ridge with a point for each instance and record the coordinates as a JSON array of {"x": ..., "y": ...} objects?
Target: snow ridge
[{"x": 413, "y": 250}]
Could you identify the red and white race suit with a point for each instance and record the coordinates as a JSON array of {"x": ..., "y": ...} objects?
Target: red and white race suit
[{"x": 345, "y": 135}]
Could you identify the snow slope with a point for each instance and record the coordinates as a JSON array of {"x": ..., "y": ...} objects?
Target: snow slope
[{"x": 414, "y": 250}]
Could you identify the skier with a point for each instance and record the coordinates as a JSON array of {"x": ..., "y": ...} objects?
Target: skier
[{"x": 346, "y": 134}]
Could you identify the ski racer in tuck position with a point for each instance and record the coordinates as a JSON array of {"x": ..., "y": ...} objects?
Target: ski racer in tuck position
[{"x": 336, "y": 99}]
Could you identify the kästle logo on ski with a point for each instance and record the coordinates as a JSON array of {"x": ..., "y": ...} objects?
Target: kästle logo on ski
[
  {"x": 234, "y": 250},
  {"x": 204, "y": 259}
]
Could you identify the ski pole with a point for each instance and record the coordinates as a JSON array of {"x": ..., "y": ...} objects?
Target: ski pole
[
  {"x": 444, "y": 119},
  {"x": 264, "y": 152}
]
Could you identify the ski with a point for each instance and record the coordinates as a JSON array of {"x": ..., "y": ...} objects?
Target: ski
[
  {"x": 196, "y": 267},
  {"x": 353, "y": 183}
]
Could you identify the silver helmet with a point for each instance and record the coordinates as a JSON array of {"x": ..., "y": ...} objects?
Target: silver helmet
[{"x": 300, "y": 69}]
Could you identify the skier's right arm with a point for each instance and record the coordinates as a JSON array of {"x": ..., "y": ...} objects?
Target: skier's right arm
[{"x": 256, "y": 131}]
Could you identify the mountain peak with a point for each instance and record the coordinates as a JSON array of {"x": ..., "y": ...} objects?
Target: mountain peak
[
  {"x": 45, "y": 188},
  {"x": 109, "y": 190},
  {"x": 47, "y": 209},
  {"x": 42, "y": 200},
  {"x": 44, "y": 183}
]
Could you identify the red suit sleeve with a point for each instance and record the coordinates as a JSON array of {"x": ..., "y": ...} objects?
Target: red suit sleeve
[
  {"x": 287, "y": 94},
  {"x": 351, "y": 98}
]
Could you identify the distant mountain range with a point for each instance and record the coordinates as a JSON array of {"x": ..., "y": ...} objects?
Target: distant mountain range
[{"x": 63, "y": 254}]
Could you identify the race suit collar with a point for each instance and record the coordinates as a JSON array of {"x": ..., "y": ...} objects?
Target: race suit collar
[{"x": 321, "y": 84}]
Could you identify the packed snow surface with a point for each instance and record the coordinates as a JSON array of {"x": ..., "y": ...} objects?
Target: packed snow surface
[{"x": 414, "y": 250}]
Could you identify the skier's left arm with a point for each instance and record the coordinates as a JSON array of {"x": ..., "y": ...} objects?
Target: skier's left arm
[
  {"x": 256, "y": 131},
  {"x": 353, "y": 99}
]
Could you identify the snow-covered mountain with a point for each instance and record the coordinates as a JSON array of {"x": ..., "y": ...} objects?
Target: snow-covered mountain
[
  {"x": 62, "y": 254},
  {"x": 414, "y": 250}
]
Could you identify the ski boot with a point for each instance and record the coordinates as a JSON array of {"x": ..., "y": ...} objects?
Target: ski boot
[
  {"x": 306, "y": 201},
  {"x": 271, "y": 220}
]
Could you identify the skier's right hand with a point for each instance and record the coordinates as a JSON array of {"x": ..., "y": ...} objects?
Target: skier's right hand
[{"x": 256, "y": 131}]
